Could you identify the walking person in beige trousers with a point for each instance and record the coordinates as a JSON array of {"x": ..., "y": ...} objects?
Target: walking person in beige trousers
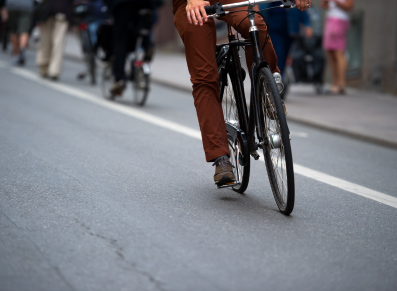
[{"x": 52, "y": 39}]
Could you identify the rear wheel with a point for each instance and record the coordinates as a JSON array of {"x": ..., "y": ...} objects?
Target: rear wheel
[
  {"x": 107, "y": 81},
  {"x": 230, "y": 113},
  {"x": 277, "y": 146}
]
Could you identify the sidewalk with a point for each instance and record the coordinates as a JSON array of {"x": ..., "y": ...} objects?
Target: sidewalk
[{"x": 364, "y": 115}]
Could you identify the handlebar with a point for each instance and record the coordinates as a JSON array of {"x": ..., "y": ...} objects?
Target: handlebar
[{"x": 216, "y": 10}]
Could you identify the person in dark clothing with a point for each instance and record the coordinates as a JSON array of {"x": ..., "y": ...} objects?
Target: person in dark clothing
[
  {"x": 284, "y": 27},
  {"x": 125, "y": 14},
  {"x": 3, "y": 20}
]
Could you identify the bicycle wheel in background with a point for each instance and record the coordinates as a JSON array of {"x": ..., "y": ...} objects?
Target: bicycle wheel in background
[
  {"x": 278, "y": 155},
  {"x": 230, "y": 113},
  {"x": 141, "y": 81},
  {"x": 107, "y": 81},
  {"x": 89, "y": 56}
]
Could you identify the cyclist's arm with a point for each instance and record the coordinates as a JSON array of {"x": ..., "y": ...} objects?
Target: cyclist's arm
[{"x": 196, "y": 12}]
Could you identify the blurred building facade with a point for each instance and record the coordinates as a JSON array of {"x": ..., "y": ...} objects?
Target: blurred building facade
[{"x": 372, "y": 45}]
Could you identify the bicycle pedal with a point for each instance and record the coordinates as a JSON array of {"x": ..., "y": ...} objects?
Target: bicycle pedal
[{"x": 228, "y": 185}]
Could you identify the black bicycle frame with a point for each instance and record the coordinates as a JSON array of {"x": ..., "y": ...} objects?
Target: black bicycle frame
[{"x": 248, "y": 123}]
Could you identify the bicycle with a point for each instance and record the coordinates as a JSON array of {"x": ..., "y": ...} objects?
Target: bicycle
[
  {"x": 138, "y": 70},
  {"x": 266, "y": 116},
  {"x": 81, "y": 11}
]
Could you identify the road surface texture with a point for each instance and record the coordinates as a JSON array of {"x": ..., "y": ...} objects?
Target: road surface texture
[{"x": 97, "y": 195}]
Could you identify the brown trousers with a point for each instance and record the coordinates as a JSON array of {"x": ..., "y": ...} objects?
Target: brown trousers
[{"x": 200, "y": 47}]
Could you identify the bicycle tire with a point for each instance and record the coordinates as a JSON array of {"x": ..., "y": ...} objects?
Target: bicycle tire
[
  {"x": 89, "y": 56},
  {"x": 230, "y": 114},
  {"x": 92, "y": 68},
  {"x": 107, "y": 82},
  {"x": 140, "y": 86},
  {"x": 277, "y": 152}
]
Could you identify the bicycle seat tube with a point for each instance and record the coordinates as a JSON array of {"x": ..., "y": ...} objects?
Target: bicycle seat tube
[
  {"x": 258, "y": 61},
  {"x": 238, "y": 80}
]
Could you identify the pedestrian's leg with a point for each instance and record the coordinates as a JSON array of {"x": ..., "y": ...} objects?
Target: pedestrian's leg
[
  {"x": 58, "y": 41},
  {"x": 334, "y": 67},
  {"x": 200, "y": 47},
  {"x": 341, "y": 65},
  {"x": 121, "y": 24},
  {"x": 15, "y": 44},
  {"x": 279, "y": 44},
  {"x": 44, "y": 50},
  {"x": 23, "y": 40}
]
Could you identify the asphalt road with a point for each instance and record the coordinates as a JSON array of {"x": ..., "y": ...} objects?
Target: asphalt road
[{"x": 94, "y": 199}]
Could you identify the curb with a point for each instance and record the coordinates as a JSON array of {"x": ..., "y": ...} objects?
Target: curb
[
  {"x": 313, "y": 124},
  {"x": 344, "y": 132}
]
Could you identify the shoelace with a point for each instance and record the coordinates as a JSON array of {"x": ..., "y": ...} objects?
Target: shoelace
[{"x": 222, "y": 162}]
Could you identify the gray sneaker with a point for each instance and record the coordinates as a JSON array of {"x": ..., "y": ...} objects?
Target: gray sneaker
[{"x": 223, "y": 172}]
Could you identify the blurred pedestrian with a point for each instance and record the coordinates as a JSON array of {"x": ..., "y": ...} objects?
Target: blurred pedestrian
[
  {"x": 285, "y": 25},
  {"x": 3, "y": 19},
  {"x": 336, "y": 26},
  {"x": 18, "y": 13},
  {"x": 52, "y": 37}
]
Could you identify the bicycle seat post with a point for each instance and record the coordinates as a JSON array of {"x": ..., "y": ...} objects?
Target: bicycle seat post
[
  {"x": 251, "y": 18},
  {"x": 254, "y": 35}
]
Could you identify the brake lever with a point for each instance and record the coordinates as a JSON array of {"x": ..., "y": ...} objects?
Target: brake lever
[{"x": 217, "y": 15}]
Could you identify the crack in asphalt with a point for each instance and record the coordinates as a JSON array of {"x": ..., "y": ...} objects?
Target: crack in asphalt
[
  {"x": 57, "y": 270},
  {"x": 119, "y": 252}
]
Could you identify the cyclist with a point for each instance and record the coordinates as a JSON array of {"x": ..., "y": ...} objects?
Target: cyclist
[
  {"x": 198, "y": 34},
  {"x": 125, "y": 13}
]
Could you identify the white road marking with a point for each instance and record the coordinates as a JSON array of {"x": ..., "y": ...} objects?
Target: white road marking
[
  {"x": 345, "y": 185},
  {"x": 139, "y": 114},
  {"x": 301, "y": 170}
]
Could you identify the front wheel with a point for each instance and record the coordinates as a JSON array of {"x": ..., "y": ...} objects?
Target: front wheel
[
  {"x": 276, "y": 146},
  {"x": 141, "y": 84},
  {"x": 107, "y": 81}
]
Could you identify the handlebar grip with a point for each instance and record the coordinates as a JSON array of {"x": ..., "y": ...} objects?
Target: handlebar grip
[{"x": 210, "y": 9}]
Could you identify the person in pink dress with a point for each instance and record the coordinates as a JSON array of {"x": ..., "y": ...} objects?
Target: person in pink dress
[{"x": 336, "y": 26}]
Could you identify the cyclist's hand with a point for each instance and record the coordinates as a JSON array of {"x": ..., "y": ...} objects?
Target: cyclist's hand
[
  {"x": 196, "y": 12},
  {"x": 303, "y": 4}
]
